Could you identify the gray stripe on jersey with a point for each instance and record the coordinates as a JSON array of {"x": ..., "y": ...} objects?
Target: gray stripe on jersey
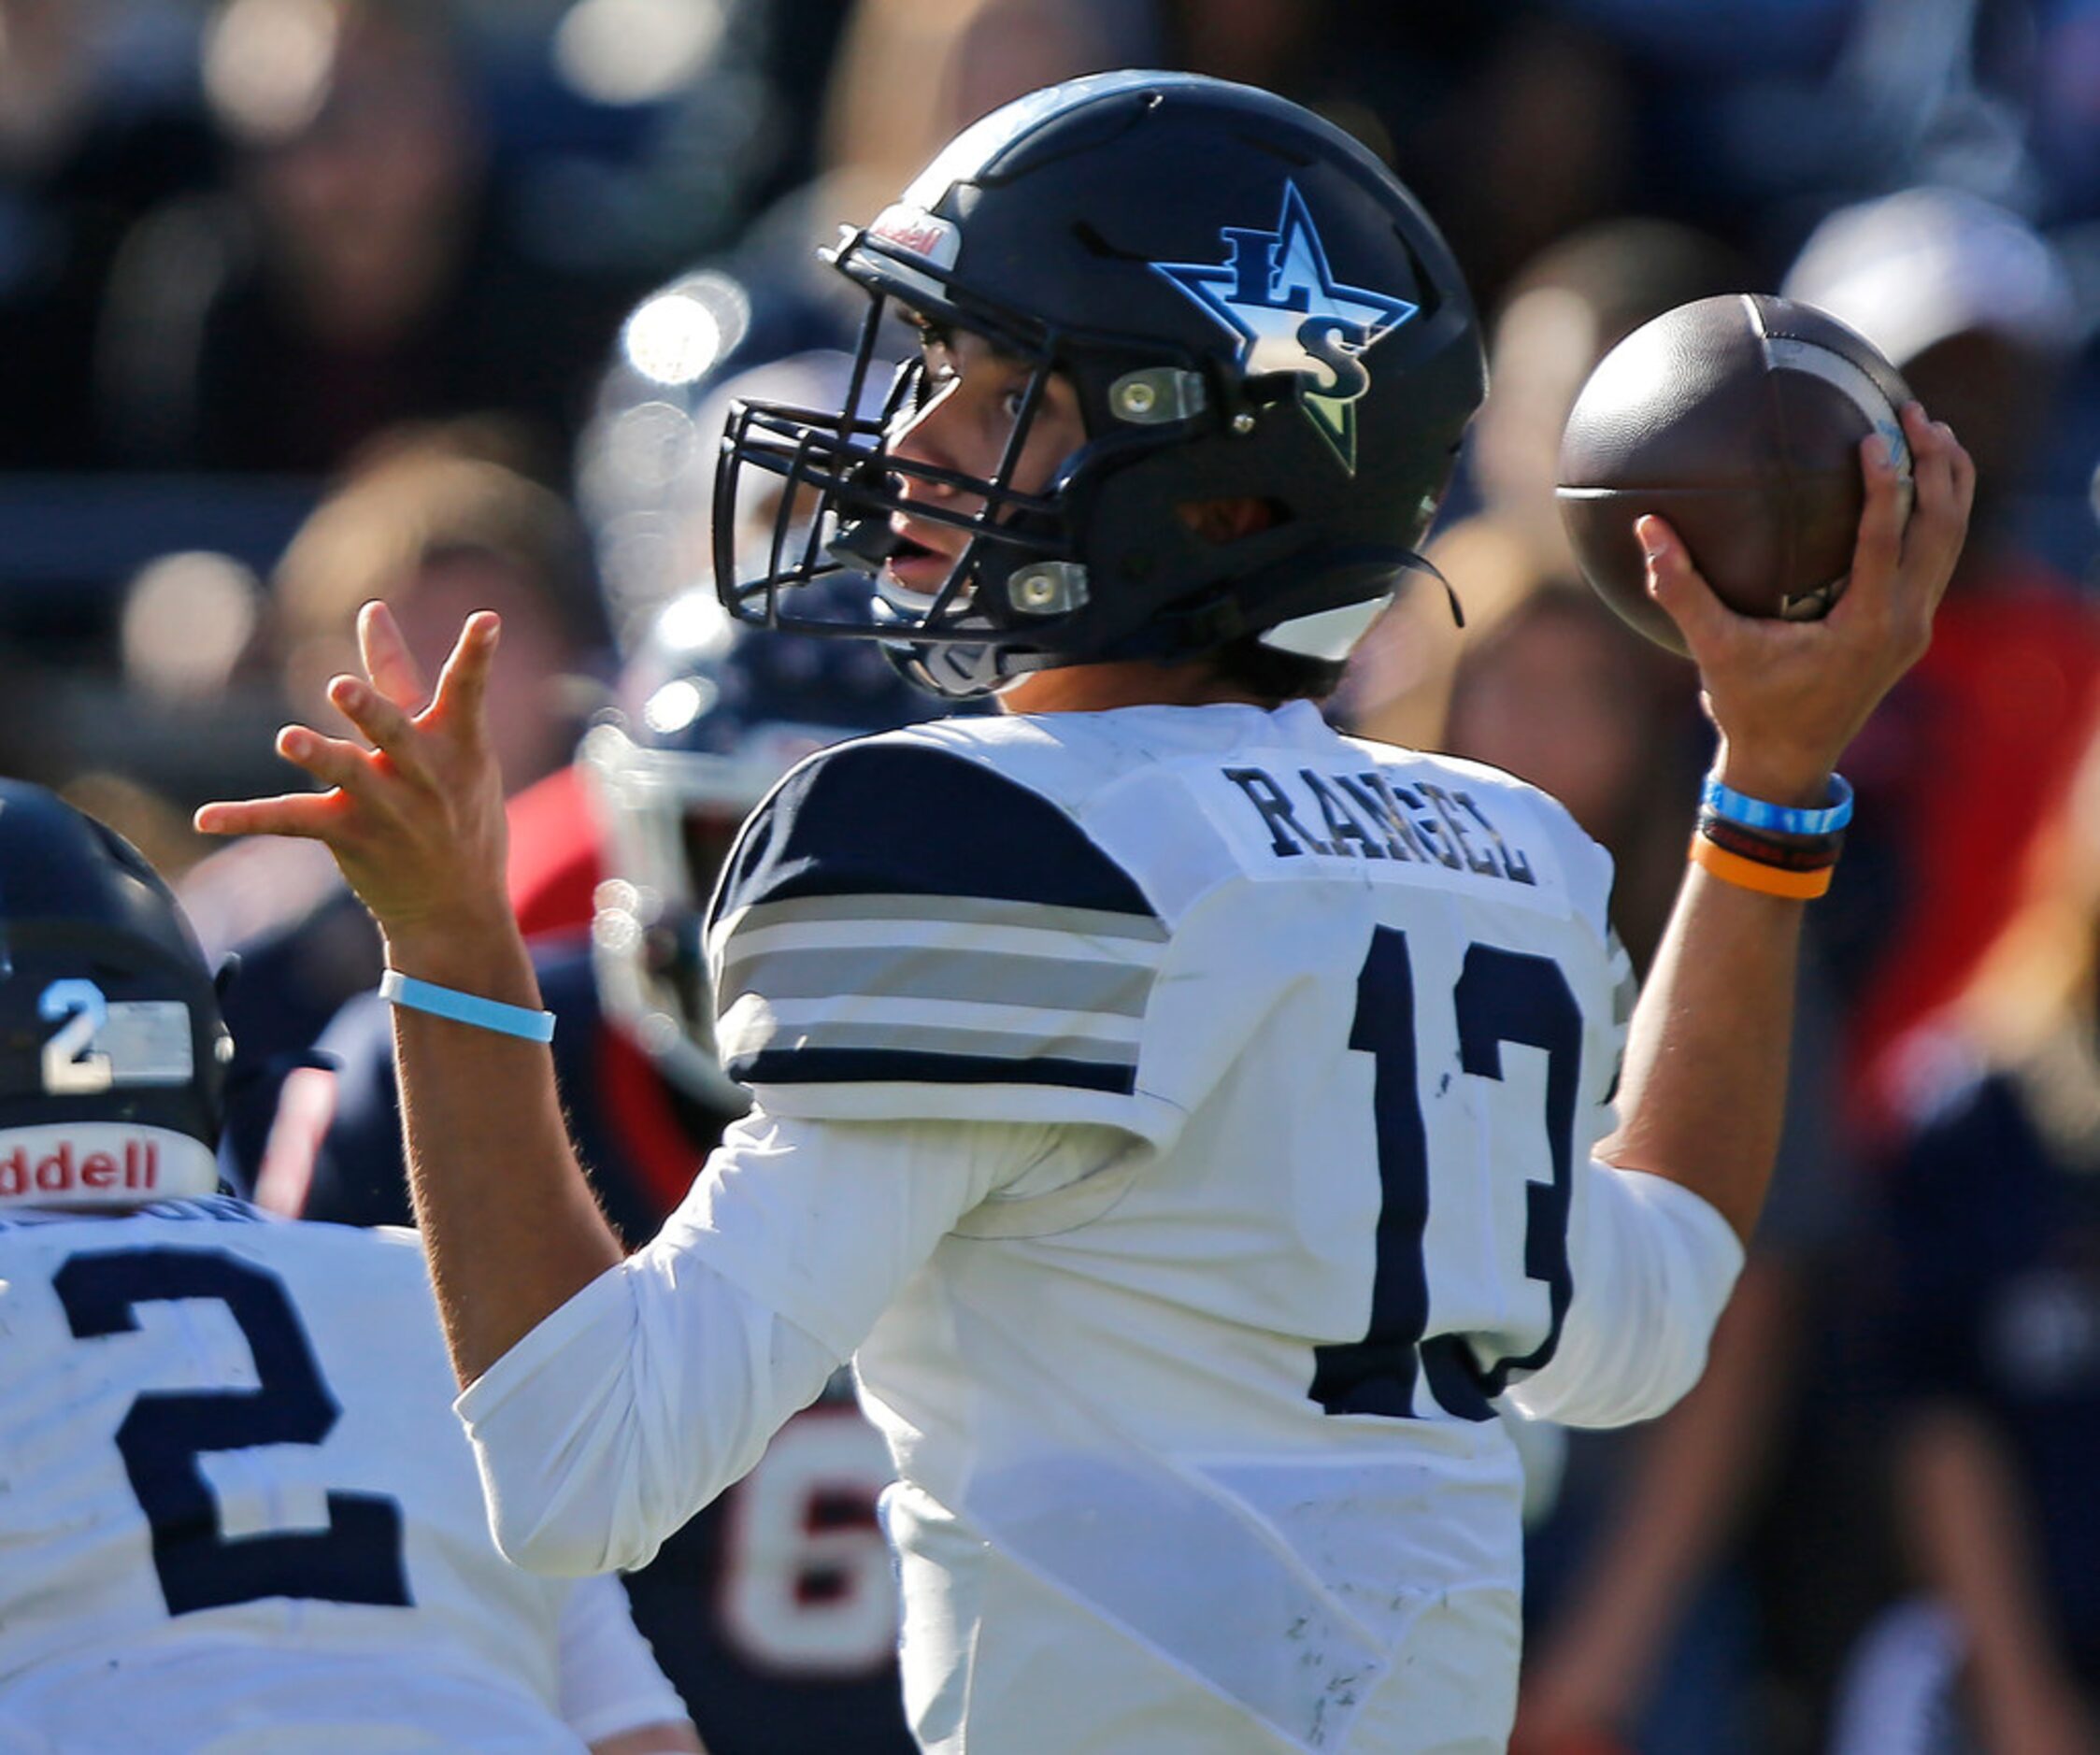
[
  {"x": 1626, "y": 984},
  {"x": 959, "y": 910},
  {"x": 1626, "y": 993},
  {"x": 926, "y": 1039},
  {"x": 878, "y": 973}
]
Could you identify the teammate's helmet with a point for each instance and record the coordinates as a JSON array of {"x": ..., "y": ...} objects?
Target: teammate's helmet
[
  {"x": 1249, "y": 304},
  {"x": 709, "y": 717},
  {"x": 112, "y": 1052},
  {"x": 645, "y": 464}
]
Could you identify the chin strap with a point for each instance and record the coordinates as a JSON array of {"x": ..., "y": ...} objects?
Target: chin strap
[
  {"x": 1331, "y": 634},
  {"x": 958, "y": 671},
  {"x": 954, "y": 673},
  {"x": 1413, "y": 562}
]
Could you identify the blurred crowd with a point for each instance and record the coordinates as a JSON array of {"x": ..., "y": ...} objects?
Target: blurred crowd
[{"x": 308, "y": 302}]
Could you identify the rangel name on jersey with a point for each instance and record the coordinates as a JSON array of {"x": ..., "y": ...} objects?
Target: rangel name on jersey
[{"x": 969, "y": 909}]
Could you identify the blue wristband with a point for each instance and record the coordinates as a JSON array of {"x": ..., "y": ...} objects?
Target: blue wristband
[
  {"x": 1754, "y": 813},
  {"x": 467, "y": 1009}
]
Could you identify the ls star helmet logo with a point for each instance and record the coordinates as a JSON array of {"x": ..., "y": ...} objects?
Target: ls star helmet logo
[{"x": 1274, "y": 292}]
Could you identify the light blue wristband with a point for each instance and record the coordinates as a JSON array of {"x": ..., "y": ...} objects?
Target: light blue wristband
[
  {"x": 467, "y": 1009},
  {"x": 1754, "y": 813}
]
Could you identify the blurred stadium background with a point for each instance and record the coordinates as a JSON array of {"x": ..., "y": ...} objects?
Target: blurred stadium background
[{"x": 307, "y": 301}]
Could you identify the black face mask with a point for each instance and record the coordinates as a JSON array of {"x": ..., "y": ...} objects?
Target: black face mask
[{"x": 1007, "y": 583}]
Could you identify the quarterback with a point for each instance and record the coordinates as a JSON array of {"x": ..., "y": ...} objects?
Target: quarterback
[{"x": 1194, "y": 1123}]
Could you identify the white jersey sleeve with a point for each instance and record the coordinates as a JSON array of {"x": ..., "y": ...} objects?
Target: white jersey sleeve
[
  {"x": 1653, "y": 1267},
  {"x": 656, "y": 1386}
]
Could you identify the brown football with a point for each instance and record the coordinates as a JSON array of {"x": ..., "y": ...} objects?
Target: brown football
[{"x": 1739, "y": 420}]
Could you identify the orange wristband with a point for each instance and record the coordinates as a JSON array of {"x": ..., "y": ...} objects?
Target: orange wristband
[{"x": 1750, "y": 874}]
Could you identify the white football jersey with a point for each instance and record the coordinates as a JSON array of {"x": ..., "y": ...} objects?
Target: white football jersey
[
  {"x": 1355, "y": 1014},
  {"x": 237, "y": 1511},
  {"x": 1186, "y": 1113}
]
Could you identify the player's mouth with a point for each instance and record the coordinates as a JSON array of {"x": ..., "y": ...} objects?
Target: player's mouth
[{"x": 916, "y": 565}]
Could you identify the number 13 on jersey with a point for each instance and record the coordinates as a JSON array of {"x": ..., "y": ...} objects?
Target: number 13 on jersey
[{"x": 1501, "y": 997}]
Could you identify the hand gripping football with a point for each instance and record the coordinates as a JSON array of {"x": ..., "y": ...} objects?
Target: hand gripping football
[{"x": 1739, "y": 420}]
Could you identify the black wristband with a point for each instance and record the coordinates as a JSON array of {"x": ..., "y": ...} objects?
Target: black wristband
[{"x": 1783, "y": 853}]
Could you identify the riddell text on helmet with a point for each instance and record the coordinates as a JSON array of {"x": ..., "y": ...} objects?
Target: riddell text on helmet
[{"x": 62, "y": 1170}]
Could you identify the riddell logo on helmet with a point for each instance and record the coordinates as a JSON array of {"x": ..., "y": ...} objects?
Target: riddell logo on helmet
[
  {"x": 66, "y": 1169},
  {"x": 915, "y": 230}
]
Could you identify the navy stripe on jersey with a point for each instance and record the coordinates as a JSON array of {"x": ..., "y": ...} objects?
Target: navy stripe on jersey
[
  {"x": 898, "y": 914},
  {"x": 907, "y": 819},
  {"x": 848, "y": 1066}
]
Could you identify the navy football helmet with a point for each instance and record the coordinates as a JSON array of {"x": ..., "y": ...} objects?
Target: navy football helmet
[
  {"x": 112, "y": 1052},
  {"x": 709, "y": 717},
  {"x": 1248, "y": 304}
]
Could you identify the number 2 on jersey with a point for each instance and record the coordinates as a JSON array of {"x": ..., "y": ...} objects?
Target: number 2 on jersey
[
  {"x": 356, "y": 1559},
  {"x": 1501, "y": 996}
]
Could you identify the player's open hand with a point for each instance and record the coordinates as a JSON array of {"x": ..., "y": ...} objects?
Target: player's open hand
[
  {"x": 1787, "y": 696},
  {"x": 416, "y": 822}
]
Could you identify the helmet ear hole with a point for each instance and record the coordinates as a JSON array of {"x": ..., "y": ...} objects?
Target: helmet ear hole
[{"x": 1229, "y": 520}]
